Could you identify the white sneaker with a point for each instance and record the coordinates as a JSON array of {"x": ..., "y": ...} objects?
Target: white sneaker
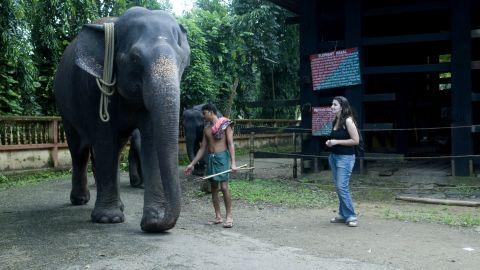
[{"x": 353, "y": 223}]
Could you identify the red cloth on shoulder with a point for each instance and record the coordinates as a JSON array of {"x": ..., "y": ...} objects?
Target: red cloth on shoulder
[{"x": 218, "y": 129}]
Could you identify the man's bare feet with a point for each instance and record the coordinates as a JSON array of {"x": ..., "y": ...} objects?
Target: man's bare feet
[
  {"x": 216, "y": 221},
  {"x": 228, "y": 223}
]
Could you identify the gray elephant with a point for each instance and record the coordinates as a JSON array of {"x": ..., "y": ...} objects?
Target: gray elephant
[
  {"x": 150, "y": 54},
  {"x": 134, "y": 164},
  {"x": 193, "y": 123}
]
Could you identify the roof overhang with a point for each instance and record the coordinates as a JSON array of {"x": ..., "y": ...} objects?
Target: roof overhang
[{"x": 291, "y": 5}]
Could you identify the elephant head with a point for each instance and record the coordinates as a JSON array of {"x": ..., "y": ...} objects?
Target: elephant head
[{"x": 151, "y": 52}]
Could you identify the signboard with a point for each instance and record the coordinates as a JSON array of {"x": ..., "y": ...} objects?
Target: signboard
[
  {"x": 335, "y": 69},
  {"x": 322, "y": 118}
]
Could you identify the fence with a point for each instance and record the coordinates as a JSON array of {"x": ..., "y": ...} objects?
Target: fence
[{"x": 23, "y": 133}]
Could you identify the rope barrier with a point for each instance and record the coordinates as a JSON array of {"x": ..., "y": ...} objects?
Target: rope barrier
[
  {"x": 398, "y": 188},
  {"x": 289, "y": 155},
  {"x": 374, "y": 129}
]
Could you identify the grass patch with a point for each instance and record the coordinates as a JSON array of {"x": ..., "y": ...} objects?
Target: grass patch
[
  {"x": 280, "y": 193},
  {"x": 373, "y": 194},
  {"x": 10, "y": 181},
  {"x": 452, "y": 216},
  {"x": 284, "y": 148},
  {"x": 466, "y": 190}
]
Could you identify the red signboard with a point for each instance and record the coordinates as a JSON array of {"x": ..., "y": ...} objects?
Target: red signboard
[
  {"x": 322, "y": 118},
  {"x": 335, "y": 69}
]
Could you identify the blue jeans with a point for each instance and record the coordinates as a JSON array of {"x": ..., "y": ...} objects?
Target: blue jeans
[{"x": 342, "y": 166}]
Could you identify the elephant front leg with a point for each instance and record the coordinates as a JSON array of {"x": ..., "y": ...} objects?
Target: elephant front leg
[
  {"x": 108, "y": 206},
  {"x": 161, "y": 174}
]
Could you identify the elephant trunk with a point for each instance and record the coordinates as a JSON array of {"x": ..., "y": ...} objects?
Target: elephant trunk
[{"x": 162, "y": 100}]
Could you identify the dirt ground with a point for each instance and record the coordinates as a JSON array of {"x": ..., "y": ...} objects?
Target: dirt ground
[{"x": 40, "y": 230}]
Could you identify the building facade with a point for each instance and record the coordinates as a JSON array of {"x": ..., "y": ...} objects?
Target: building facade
[{"x": 419, "y": 64}]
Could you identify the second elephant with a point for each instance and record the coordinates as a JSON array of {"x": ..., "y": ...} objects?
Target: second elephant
[{"x": 193, "y": 123}]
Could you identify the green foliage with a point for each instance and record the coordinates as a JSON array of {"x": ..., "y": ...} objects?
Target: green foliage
[
  {"x": 17, "y": 70},
  {"x": 198, "y": 81},
  {"x": 240, "y": 41},
  {"x": 54, "y": 24},
  {"x": 274, "y": 48},
  {"x": 215, "y": 48}
]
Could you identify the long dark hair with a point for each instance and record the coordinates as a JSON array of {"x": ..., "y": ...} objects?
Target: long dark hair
[{"x": 345, "y": 113}]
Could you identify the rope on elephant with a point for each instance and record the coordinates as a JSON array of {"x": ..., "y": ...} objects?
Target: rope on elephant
[{"x": 106, "y": 85}]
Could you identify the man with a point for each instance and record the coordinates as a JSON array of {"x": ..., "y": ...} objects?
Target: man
[{"x": 218, "y": 140}]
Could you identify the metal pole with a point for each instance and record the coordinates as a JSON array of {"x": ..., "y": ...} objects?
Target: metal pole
[
  {"x": 252, "y": 150},
  {"x": 295, "y": 159}
]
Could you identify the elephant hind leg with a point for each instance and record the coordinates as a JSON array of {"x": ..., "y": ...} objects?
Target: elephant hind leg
[{"x": 80, "y": 194}]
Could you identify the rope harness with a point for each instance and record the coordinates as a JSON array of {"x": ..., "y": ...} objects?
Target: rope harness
[{"x": 106, "y": 84}]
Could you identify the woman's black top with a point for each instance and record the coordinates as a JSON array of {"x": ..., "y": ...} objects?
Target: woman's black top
[{"x": 341, "y": 134}]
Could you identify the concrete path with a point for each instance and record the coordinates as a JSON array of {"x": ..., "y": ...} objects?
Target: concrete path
[{"x": 40, "y": 230}]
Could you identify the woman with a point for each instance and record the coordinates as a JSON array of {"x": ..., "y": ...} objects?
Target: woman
[{"x": 344, "y": 137}]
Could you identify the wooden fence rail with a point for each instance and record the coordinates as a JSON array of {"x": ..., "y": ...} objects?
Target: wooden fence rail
[{"x": 19, "y": 133}]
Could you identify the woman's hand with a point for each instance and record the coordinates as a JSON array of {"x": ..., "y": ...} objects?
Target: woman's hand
[{"x": 330, "y": 143}]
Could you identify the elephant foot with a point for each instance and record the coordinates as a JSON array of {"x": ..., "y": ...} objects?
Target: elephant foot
[
  {"x": 106, "y": 214},
  {"x": 79, "y": 197},
  {"x": 152, "y": 221}
]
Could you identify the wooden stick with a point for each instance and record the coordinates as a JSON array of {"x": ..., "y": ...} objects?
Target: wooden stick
[
  {"x": 246, "y": 169},
  {"x": 227, "y": 171},
  {"x": 438, "y": 201}
]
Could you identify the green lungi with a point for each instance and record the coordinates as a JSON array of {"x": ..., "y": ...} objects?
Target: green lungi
[{"x": 219, "y": 162}]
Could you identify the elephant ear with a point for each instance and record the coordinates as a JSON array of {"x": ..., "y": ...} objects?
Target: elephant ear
[
  {"x": 182, "y": 28},
  {"x": 183, "y": 42},
  {"x": 90, "y": 49}
]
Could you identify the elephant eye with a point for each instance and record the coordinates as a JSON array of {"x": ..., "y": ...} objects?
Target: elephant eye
[{"x": 135, "y": 57}]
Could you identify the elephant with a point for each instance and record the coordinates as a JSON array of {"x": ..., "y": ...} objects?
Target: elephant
[
  {"x": 193, "y": 123},
  {"x": 150, "y": 54},
  {"x": 134, "y": 164}
]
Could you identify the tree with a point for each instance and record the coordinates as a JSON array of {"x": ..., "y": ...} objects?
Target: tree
[
  {"x": 17, "y": 70},
  {"x": 54, "y": 24},
  {"x": 197, "y": 85},
  {"x": 116, "y": 8},
  {"x": 274, "y": 47}
]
